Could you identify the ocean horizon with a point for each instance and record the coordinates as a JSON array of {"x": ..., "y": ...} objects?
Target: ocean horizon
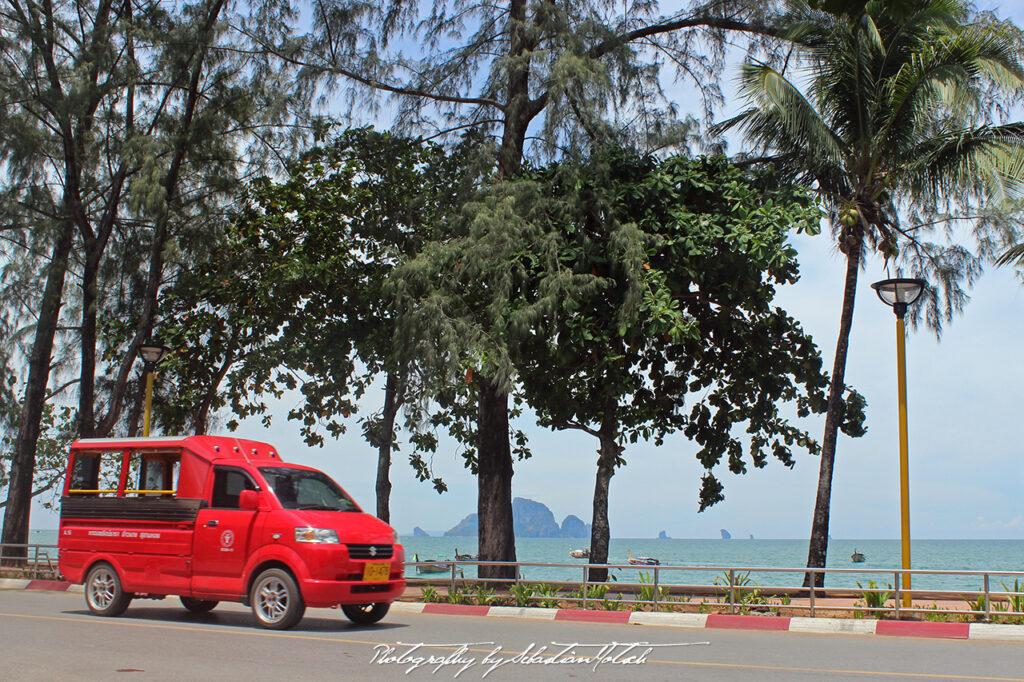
[{"x": 681, "y": 558}]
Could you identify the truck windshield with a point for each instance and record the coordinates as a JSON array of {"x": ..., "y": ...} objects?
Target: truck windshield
[{"x": 305, "y": 489}]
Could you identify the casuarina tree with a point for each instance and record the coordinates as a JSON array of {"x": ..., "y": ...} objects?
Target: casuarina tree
[{"x": 572, "y": 72}]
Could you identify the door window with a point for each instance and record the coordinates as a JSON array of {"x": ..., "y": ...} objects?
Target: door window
[{"x": 228, "y": 485}]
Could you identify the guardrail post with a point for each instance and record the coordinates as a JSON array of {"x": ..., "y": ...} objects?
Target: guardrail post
[
  {"x": 732, "y": 590},
  {"x": 988, "y": 602},
  {"x": 655, "y": 594},
  {"x": 899, "y": 595},
  {"x": 35, "y": 563},
  {"x": 586, "y": 578},
  {"x": 451, "y": 585},
  {"x": 814, "y": 581}
]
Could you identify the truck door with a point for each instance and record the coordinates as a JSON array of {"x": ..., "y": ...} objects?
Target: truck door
[{"x": 222, "y": 537}]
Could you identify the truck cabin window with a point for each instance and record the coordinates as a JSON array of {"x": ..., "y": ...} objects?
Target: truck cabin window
[
  {"x": 95, "y": 474},
  {"x": 84, "y": 474},
  {"x": 153, "y": 474},
  {"x": 228, "y": 485},
  {"x": 303, "y": 489}
]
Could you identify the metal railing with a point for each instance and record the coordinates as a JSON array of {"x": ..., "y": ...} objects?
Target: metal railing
[
  {"x": 29, "y": 559},
  {"x": 735, "y": 590}
]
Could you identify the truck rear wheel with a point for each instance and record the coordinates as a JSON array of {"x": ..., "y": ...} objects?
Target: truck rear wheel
[
  {"x": 365, "y": 614},
  {"x": 104, "y": 594},
  {"x": 276, "y": 600},
  {"x": 198, "y": 605}
]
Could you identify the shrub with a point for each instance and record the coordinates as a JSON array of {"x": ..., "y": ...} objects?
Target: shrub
[
  {"x": 521, "y": 593},
  {"x": 456, "y": 596},
  {"x": 873, "y": 597},
  {"x": 548, "y": 595}
]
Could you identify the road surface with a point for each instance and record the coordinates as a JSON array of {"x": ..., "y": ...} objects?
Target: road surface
[{"x": 52, "y": 636}]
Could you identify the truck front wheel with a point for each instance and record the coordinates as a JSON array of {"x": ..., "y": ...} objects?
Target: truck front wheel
[
  {"x": 276, "y": 600},
  {"x": 365, "y": 614},
  {"x": 104, "y": 594}
]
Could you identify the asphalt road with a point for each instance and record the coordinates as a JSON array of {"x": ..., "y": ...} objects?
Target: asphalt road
[{"x": 52, "y": 636}]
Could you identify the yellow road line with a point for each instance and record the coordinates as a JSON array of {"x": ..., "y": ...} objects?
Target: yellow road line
[{"x": 691, "y": 664}]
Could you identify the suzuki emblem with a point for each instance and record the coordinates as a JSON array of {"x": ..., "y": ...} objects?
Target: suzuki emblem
[{"x": 373, "y": 551}]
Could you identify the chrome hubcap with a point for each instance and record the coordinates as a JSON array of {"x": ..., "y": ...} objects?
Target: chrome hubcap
[
  {"x": 101, "y": 589},
  {"x": 272, "y": 600}
]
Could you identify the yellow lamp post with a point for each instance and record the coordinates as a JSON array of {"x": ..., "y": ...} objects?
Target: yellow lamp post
[
  {"x": 151, "y": 353},
  {"x": 901, "y": 293}
]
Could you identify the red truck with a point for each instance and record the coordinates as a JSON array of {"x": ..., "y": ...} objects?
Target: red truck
[{"x": 213, "y": 519}]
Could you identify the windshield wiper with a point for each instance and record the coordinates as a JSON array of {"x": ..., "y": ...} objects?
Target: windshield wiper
[{"x": 319, "y": 507}]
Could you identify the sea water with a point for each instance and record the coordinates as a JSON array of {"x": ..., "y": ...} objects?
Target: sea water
[{"x": 716, "y": 556}]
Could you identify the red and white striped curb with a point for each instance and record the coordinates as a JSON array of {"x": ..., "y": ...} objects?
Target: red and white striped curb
[
  {"x": 48, "y": 585},
  {"x": 721, "y": 621},
  {"x": 898, "y": 628}
]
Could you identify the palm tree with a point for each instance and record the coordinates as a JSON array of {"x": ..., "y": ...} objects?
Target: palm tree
[{"x": 889, "y": 126}]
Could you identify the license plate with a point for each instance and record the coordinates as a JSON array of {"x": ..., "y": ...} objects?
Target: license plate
[{"x": 376, "y": 571}]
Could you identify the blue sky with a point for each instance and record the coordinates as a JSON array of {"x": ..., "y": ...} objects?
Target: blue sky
[{"x": 966, "y": 450}]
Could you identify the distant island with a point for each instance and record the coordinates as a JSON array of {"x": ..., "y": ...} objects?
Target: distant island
[
  {"x": 530, "y": 519},
  {"x": 418, "y": 532},
  {"x": 663, "y": 536},
  {"x": 726, "y": 535}
]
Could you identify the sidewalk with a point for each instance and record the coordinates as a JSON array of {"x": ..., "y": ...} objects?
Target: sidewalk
[{"x": 410, "y": 603}]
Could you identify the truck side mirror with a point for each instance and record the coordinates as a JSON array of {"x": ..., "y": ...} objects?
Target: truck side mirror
[{"x": 249, "y": 499}]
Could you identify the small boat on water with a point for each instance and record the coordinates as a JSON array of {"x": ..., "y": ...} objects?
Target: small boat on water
[
  {"x": 641, "y": 560},
  {"x": 431, "y": 565},
  {"x": 580, "y": 553},
  {"x": 466, "y": 557},
  {"x": 856, "y": 557}
]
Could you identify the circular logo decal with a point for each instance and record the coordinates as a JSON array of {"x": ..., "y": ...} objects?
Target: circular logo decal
[{"x": 227, "y": 538}]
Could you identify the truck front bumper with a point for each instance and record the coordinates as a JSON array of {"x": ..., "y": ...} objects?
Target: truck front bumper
[{"x": 334, "y": 592}]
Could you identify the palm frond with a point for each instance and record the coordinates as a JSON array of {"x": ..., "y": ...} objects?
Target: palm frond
[
  {"x": 988, "y": 160},
  {"x": 1013, "y": 255},
  {"x": 781, "y": 118}
]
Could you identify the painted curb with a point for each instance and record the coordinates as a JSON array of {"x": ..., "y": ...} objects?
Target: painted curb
[
  {"x": 824, "y": 626},
  {"x": 834, "y": 626}
]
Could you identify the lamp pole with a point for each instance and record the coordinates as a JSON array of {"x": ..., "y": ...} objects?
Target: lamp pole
[
  {"x": 151, "y": 354},
  {"x": 901, "y": 293}
]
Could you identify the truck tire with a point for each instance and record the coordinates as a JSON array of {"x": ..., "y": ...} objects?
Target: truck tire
[
  {"x": 276, "y": 600},
  {"x": 198, "y": 605},
  {"x": 365, "y": 614},
  {"x": 104, "y": 594}
]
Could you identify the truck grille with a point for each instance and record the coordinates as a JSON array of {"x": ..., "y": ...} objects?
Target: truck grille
[{"x": 370, "y": 552}]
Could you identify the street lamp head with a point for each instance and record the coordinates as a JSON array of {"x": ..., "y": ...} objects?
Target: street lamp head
[
  {"x": 900, "y": 292},
  {"x": 152, "y": 353}
]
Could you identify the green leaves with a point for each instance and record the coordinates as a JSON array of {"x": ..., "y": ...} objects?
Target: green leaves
[{"x": 687, "y": 253}]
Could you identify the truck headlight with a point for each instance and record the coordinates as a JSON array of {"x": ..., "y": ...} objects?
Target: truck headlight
[
  {"x": 394, "y": 537},
  {"x": 320, "y": 535}
]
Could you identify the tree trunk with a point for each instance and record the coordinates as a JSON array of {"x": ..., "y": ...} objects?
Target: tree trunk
[
  {"x": 607, "y": 456},
  {"x": 494, "y": 484},
  {"x": 87, "y": 335},
  {"x": 23, "y": 460},
  {"x": 818, "y": 547},
  {"x": 600, "y": 530},
  {"x": 392, "y": 401}
]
